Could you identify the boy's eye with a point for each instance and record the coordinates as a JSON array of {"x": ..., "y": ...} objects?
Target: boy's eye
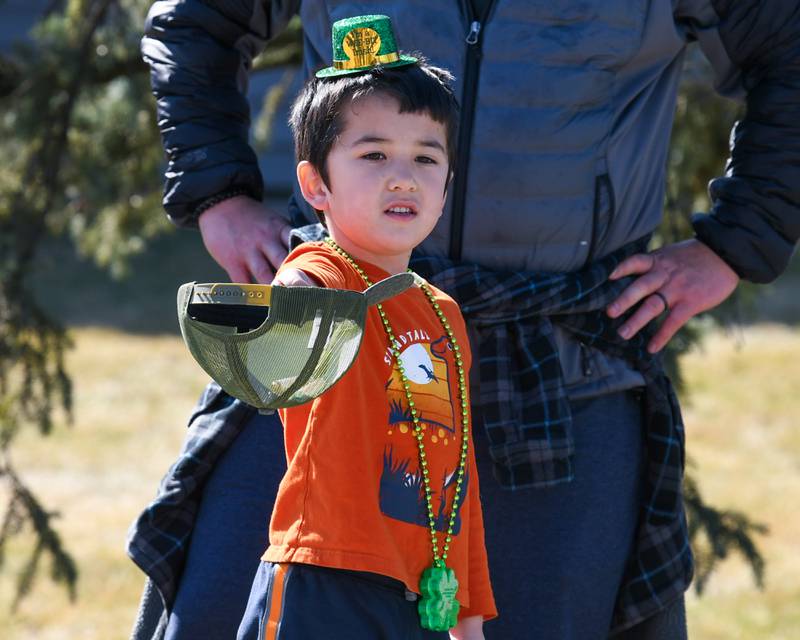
[
  {"x": 375, "y": 155},
  {"x": 426, "y": 160}
]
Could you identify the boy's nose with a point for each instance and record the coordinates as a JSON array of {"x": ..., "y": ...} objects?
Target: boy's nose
[{"x": 402, "y": 181}]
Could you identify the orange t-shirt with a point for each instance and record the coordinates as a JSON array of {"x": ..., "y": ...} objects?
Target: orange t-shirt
[{"x": 353, "y": 497}]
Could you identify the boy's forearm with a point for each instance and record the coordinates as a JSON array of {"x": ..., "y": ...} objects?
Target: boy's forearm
[
  {"x": 470, "y": 628},
  {"x": 296, "y": 278}
]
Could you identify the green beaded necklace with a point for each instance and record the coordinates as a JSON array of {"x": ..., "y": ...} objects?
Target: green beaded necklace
[{"x": 438, "y": 607}]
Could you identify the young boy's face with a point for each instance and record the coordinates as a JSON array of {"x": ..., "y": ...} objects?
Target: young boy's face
[{"x": 387, "y": 174}]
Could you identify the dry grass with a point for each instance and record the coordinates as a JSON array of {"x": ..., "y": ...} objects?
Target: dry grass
[
  {"x": 133, "y": 395},
  {"x": 742, "y": 425},
  {"x": 132, "y": 398}
]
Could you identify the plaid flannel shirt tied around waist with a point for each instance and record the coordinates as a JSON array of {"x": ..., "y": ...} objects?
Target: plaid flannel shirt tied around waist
[{"x": 524, "y": 404}]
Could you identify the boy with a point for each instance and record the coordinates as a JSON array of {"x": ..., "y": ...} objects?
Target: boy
[{"x": 380, "y": 501}]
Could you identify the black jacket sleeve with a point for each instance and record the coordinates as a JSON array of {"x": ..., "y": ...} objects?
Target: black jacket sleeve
[
  {"x": 200, "y": 53},
  {"x": 754, "y": 222}
]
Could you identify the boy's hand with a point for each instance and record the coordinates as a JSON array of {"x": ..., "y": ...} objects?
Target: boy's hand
[
  {"x": 245, "y": 238},
  {"x": 468, "y": 629},
  {"x": 295, "y": 278}
]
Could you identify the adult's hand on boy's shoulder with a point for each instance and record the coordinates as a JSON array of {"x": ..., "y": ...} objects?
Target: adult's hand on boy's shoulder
[{"x": 246, "y": 238}]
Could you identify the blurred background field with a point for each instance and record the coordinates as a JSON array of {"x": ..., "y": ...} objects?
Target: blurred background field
[{"x": 135, "y": 385}]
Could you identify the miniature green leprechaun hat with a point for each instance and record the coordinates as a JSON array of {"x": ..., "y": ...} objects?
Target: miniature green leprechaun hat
[{"x": 363, "y": 42}]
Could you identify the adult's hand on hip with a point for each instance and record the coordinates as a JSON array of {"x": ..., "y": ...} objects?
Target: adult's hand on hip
[
  {"x": 246, "y": 238},
  {"x": 681, "y": 280}
]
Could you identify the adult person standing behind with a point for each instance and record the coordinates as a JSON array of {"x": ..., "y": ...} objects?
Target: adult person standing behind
[{"x": 566, "y": 114}]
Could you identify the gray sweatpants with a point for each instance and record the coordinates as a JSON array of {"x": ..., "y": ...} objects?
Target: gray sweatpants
[{"x": 557, "y": 555}]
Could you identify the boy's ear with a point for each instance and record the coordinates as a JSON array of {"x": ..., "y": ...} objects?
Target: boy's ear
[{"x": 312, "y": 185}]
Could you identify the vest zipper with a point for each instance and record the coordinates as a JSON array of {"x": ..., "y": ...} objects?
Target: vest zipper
[
  {"x": 474, "y": 31},
  {"x": 468, "y": 96}
]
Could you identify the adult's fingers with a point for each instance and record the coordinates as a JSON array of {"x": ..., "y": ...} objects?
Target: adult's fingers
[
  {"x": 632, "y": 265},
  {"x": 274, "y": 245},
  {"x": 649, "y": 310},
  {"x": 677, "y": 317},
  {"x": 245, "y": 238},
  {"x": 690, "y": 276},
  {"x": 259, "y": 266},
  {"x": 638, "y": 290},
  {"x": 237, "y": 272}
]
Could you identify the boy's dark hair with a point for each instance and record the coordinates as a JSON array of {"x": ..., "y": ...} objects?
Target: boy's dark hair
[{"x": 316, "y": 118}]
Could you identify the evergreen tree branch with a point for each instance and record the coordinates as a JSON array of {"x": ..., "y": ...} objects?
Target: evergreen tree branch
[
  {"x": 24, "y": 508},
  {"x": 32, "y": 345},
  {"x": 715, "y": 533}
]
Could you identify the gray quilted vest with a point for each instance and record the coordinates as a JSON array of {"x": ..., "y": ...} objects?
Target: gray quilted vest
[{"x": 569, "y": 145}]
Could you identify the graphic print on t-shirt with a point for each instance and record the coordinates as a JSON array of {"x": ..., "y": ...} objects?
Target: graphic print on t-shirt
[{"x": 431, "y": 372}]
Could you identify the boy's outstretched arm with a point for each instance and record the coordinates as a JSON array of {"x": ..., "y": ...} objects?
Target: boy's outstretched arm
[{"x": 295, "y": 278}]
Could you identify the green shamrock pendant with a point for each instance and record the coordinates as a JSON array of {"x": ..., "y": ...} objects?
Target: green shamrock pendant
[{"x": 438, "y": 607}]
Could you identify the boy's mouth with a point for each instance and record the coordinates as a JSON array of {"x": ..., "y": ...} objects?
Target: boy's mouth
[{"x": 404, "y": 210}]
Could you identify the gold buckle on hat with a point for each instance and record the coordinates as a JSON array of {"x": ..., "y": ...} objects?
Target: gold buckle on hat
[{"x": 231, "y": 293}]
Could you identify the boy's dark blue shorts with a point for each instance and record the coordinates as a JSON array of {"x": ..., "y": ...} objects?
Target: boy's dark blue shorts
[{"x": 299, "y": 602}]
